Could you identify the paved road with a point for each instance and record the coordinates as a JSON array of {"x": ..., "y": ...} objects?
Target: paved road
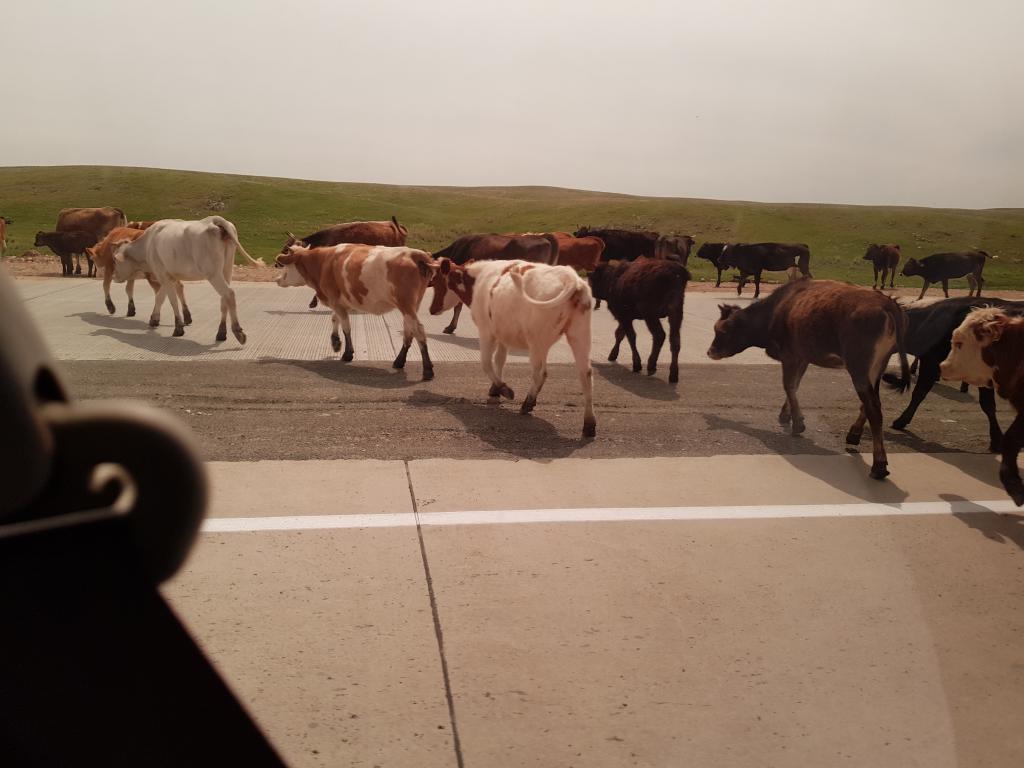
[{"x": 390, "y": 562}]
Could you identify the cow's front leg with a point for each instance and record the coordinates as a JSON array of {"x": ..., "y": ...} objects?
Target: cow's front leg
[
  {"x": 450, "y": 328},
  {"x": 78, "y": 263},
  {"x": 631, "y": 338},
  {"x": 792, "y": 374},
  {"x": 658, "y": 339},
  {"x": 108, "y": 275},
  {"x": 179, "y": 326},
  {"x": 407, "y": 332},
  {"x": 1008, "y": 472},
  {"x": 129, "y": 289},
  {"x": 757, "y": 284},
  {"x": 945, "y": 287},
  {"x": 421, "y": 338},
  {"x": 539, "y": 364},
  {"x": 620, "y": 334},
  {"x": 346, "y": 328},
  {"x": 718, "y": 280},
  {"x": 874, "y": 280},
  {"x": 923, "y": 289},
  {"x": 987, "y": 401}
]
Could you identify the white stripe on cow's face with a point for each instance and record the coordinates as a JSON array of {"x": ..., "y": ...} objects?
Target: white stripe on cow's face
[
  {"x": 965, "y": 362},
  {"x": 290, "y": 277}
]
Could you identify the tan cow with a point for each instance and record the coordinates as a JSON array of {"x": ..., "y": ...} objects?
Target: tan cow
[
  {"x": 365, "y": 278},
  {"x": 103, "y": 255}
]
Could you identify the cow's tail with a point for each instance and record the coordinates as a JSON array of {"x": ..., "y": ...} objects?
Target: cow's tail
[
  {"x": 571, "y": 286},
  {"x": 228, "y": 232},
  {"x": 425, "y": 263},
  {"x": 899, "y": 320},
  {"x": 804, "y": 262},
  {"x": 124, "y": 218}
]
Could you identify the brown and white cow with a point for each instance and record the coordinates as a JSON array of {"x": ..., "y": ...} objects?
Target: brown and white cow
[
  {"x": 825, "y": 323},
  {"x": 987, "y": 349},
  {"x": 103, "y": 254},
  {"x": 365, "y": 278},
  {"x": 523, "y": 305}
]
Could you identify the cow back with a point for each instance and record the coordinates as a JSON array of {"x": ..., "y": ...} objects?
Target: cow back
[
  {"x": 361, "y": 232},
  {"x": 98, "y": 221},
  {"x": 624, "y": 244}
]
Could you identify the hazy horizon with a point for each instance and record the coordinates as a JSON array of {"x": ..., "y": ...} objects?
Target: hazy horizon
[{"x": 865, "y": 104}]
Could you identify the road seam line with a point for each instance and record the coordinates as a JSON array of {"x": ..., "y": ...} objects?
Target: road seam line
[{"x": 438, "y": 632}]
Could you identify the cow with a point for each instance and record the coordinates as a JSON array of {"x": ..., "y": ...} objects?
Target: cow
[
  {"x": 929, "y": 331},
  {"x": 623, "y": 244},
  {"x": 825, "y": 323},
  {"x": 68, "y": 245},
  {"x": 753, "y": 258},
  {"x": 942, "y": 267},
  {"x": 578, "y": 252},
  {"x": 540, "y": 248},
  {"x": 173, "y": 250},
  {"x": 140, "y": 224},
  {"x": 675, "y": 247},
  {"x": 988, "y": 348},
  {"x": 523, "y": 305},
  {"x": 648, "y": 290},
  {"x": 374, "y": 279},
  {"x": 713, "y": 252},
  {"x": 4, "y": 221},
  {"x": 99, "y": 221},
  {"x": 884, "y": 259},
  {"x": 365, "y": 232},
  {"x": 103, "y": 254}
]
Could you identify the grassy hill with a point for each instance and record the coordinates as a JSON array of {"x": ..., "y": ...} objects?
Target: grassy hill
[{"x": 265, "y": 208}]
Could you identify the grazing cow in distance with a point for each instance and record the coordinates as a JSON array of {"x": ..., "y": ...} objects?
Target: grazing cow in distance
[
  {"x": 884, "y": 259},
  {"x": 173, "y": 250},
  {"x": 929, "y": 332},
  {"x": 825, "y": 323},
  {"x": 365, "y": 278},
  {"x": 713, "y": 252},
  {"x": 648, "y": 290},
  {"x": 541, "y": 248},
  {"x": 4, "y": 221},
  {"x": 942, "y": 267},
  {"x": 364, "y": 232},
  {"x": 523, "y": 305},
  {"x": 754, "y": 258},
  {"x": 68, "y": 245},
  {"x": 988, "y": 348},
  {"x": 103, "y": 254},
  {"x": 143, "y": 225}
]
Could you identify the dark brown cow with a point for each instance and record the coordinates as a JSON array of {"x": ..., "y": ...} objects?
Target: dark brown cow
[
  {"x": 542, "y": 249},
  {"x": 67, "y": 245},
  {"x": 753, "y": 258},
  {"x": 363, "y": 232},
  {"x": 884, "y": 258},
  {"x": 674, "y": 247},
  {"x": 623, "y": 244},
  {"x": 942, "y": 267},
  {"x": 648, "y": 290},
  {"x": 713, "y": 252},
  {"x": 826, "y": 323},
  {"x": 988, "y": 348}
]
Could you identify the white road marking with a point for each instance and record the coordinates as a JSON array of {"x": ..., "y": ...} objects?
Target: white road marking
[{"x": 602, "y": 514}]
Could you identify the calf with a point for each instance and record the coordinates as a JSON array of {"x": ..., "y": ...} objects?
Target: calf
[
  {"x": 103, "y": 254},
  {"x": 988, "y": 348},
  {"x": 540, "y": 248},
  {"x": 713, "y": 252},
  {"x": 942, "y": 267},
  {"x": 824, "y": 323},
  {"x": 753, "y": 258},
  {"x": 66, "y": 245},
  {"x": 173, "y": 250},
  {"x": 523, "y": 305},
  {"x": 365, "y": 232},
  {"x": 884, "y": 259},
  {"x": 930, "y": 328},
  {"x": 648, "y": 290},
  {"x": 366, "y": 278}
]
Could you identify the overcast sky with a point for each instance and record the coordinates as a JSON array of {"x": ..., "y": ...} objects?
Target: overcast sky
[{"x": 917, "y": 102}]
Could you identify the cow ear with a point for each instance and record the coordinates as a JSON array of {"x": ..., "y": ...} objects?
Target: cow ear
[
  {"x": 287, "y": 258},
  {"x": 726, "y": 310},
  {"x": 993, "y": 329}
]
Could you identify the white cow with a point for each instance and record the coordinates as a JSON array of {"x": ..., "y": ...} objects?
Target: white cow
[
  {"x": 523, "y": 305},
  {"x": 173, "y": 250}
]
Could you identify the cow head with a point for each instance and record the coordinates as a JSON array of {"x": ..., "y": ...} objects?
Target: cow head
[
  {"x": 125, "y": 266},
  {"x": 287, "y": 261},
  {"x": 733, "y": 332},
  {"x": 41, "y": 240},
  {"x": 869, "y": 254},
  {"x": 582, "y": 232},
  {"x": 912, "y": 267},
  {"x": 710, "y": 251},
  {"x": 676, "y": 247},
  {"x": 966, "y": 360},
  {"x": 289, "y": 243},
  {"x": 452, "y": 284}
]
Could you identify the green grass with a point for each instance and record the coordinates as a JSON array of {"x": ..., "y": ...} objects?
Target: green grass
[{"x": 265, "y": 208}]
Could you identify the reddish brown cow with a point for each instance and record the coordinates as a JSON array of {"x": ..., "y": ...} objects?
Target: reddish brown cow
[
  {"x": 988, "y": 348},
  {"x": 579, "y": 252},
  {"x": 140, "y": 224},
  {"x": 822, "y": 322},
  {"x": 885, "y": 259}
]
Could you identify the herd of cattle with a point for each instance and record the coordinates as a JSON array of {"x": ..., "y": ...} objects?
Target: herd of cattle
[{"x": 525, "y": 291}]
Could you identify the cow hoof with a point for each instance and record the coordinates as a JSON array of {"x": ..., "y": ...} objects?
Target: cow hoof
[
  {"x": 637, "y": 367},
  {"x": 673, "y": 377},
  {"x": 506, "y": 391},
  {"x": 154, "y": 322},
  {"x": 879, "y": 471},
  {"x": 179, "y": 330},
  {"x": 131, "y": 309},
  {"x": 995, "y": 445},
  {"x": 449, "y": 329},
  {"x": 853, "y": 438},
  {"x": 335, "y": 342},
  {"x": 963, "y": 387},
  {"x": 78, "y": 271},
  {"x": 239, "y": 334},
  {"x": 784, "y": 418},
  {"x": 314, "y": 302},
  {"x": 651, "y": 371},
  {"x": 110, "y": 306},
  {"x": 798, "y": 428},
  {"x": 347, "y": 357},
  {"x": 900, "y": 423},
  {"x": 528, "y": 405},
  {"x": 398, "y": 364},
  {"x": 590, "y": 429},
  {"x": 428, "y": 374},
  {"x": 187, "y": 317},
  {"x": 222, "y": 334}
]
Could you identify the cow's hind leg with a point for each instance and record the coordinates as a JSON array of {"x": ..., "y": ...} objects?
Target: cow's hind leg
[
  {"x": 158, "y": 303},
  {"x": 179, "y": 326},
  {"x": 539, "y": 364},
  {"x": 578, "y": 336},
  {"x": 1008, "y": 472},
  {"x": 78, "y": 263},
  {"x": 620, "y": 334},
  {"x": 675, "y": 324},
  {"x": 945, "y": 287},
  {"x": 987, "y": 401},
  {"x": 792, "y": 374},
  {"x": 227, "y": 305},
  {"x": 421, "y": 339},
  {"x": 871, "y": 410},
  {"x": 490, "y": 352},
  {"x": 928, "y": 374},
  {"x": 450, "y": 328},
  {"x": 341, "y": 316},
  {"x": 631, "y": 338},
  {"x": 185, "y": 313},
  {"x": 314, "y": 302},
  {"x": 658, "y": 335}
]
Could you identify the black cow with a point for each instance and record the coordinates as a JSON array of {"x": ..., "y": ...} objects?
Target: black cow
[
  {"x": 943, "y": 267},
  {"x": 68, "y": 244},
  {"x": 623, "y": 244},
  {"x": 928, "y": 336},
  {"x": 754, "y": 258},
  {"x": 713, "y": 252},
  {"x": 884, "y": 259}
]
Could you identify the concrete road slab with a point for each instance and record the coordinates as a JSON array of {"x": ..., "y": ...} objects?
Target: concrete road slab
[
  {"x": 328, "y": 639},
  {"x": 279, "y": 325}
]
